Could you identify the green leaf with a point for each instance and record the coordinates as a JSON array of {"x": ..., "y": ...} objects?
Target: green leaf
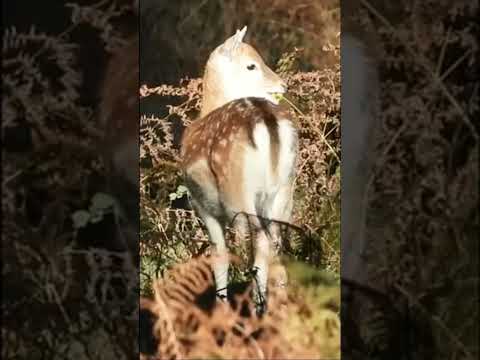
[
  {"x": 80, "y": 218},
  {"x": 102, "y": 201},
  {"x": 179, "y": 193},
  {"x": 338, "y": 172},
  {"x": 182, "y": 189},
  {"x": 279, "y": 97},
  {"x": 96, "y": 217}
]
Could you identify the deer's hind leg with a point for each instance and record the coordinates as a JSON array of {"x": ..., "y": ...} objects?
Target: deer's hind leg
[
  {"x": 221, "y": 263},
  {"x": 280, "y": 211},
  {"x": 249, "y": 225},
  {"x": 260, "y": 268},
  {"x": 205, "y": 200}
]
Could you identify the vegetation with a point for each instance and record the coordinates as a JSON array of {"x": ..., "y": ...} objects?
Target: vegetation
[
  {"x": 65, "y": 292},
  {"x": 423, "y": 205},
  {"x": 172, "y": 234}
]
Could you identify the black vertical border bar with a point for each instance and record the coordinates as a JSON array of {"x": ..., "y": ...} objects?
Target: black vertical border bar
[{"x": 25, "y": 312}]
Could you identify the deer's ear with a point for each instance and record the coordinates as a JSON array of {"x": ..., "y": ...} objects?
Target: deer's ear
[{"x": 230, "y": 46}]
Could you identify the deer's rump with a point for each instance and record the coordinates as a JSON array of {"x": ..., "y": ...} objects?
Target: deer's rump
[{"x": 238, "y": 158}]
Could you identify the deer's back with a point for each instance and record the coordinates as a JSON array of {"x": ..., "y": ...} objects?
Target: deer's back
[{"x": 239, "y": 151}]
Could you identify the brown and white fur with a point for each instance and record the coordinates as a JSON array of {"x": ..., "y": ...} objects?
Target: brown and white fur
[{"x": 239, "y": 156}]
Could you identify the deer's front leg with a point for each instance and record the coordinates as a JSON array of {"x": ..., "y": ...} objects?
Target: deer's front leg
[
  {"x": 260, "y": 268},
  {"x": 280, "y": 212},
  {"x": 221, "y": 263}
]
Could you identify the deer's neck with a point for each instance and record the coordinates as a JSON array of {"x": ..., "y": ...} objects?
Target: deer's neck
[{"x": 213, "y": 95}]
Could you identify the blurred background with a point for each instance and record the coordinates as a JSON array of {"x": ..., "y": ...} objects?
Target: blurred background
[{"x": 177, "y": 37}]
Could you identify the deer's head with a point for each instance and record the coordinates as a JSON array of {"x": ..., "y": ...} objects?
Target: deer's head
[{"x": 236, "y": 70}]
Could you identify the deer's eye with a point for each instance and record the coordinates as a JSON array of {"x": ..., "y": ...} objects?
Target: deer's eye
[{"x": 251, "y": 67}]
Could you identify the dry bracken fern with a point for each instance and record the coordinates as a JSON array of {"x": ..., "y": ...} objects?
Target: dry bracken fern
[{"x": 191, "y": 324}]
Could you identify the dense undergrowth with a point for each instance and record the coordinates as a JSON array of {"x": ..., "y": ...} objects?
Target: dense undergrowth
[{"x": 171, "y": 233}]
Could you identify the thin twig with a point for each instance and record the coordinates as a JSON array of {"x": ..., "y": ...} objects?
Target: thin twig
[
  {"x": 303, "y": 115},
  {"x": 435, "y": 319},
  {"x": 442, "y": 52}
]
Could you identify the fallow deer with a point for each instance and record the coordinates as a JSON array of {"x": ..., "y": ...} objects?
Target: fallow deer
[{"x": 239, "y": 156}]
